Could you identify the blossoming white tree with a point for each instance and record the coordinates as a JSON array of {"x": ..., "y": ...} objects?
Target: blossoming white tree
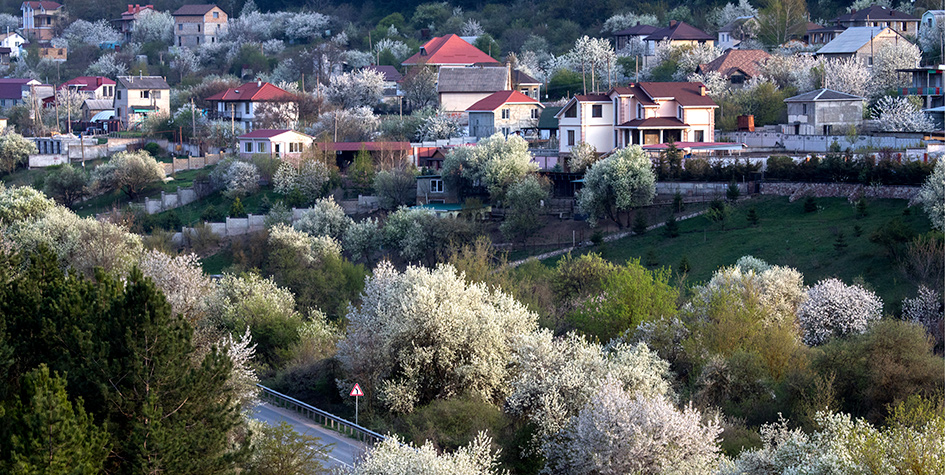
[
  {"x": 154, "y": 26},
  {"x": 426, "y": 334},
  {"x": 899, "y": 114},
  {"x": 834, "y": 309},
  {"x": 889, "y": 58},
  {"x": 242, "y": 178},
  {"x": 360, "y": 89},
  {"x": 181, "y": 280},
  {"x": 847, "y": 75},
  {"x": 129, "y": 172},
  {"x": 583, "y": 155},
  {"x": 308, "y": 178},
  {"x": 494, "y": 163},
  {"x": 592, "y": 56},
  {"x": 616, "y": 184},
  {"x": 325, "y": 218},
  {"x": 622, "y": 432},
  {"x": 395, "y": 457},
  {"x": 933, "y": 195}
]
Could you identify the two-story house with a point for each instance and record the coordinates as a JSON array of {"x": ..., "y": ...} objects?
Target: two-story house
[
  {"x": 195, "y": 25},
  {"x": 242, "y": 104},
  {"x": 624, "y": 40},
  {"x": 40, "y": 20},
  {"x": 678, "y": 33},
  {"x": 15, "y": 91},
  {"x": 126, "y": 24},
  {"x": 822, "y": 112},
  {"x": 13, "y": 42},
  {"x": 881, "y": 17},
  {"x": 449, "y": 50},
  {"x": 860, "y": 43},
  {"x": 643, "y": 113},
  {"x": 137, "y": 97},
  {"x": 508, "y": 112},
  {"x": 94, "y": 87}
]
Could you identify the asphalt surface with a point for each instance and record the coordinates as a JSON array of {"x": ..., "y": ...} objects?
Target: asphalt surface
[{"x": 344, "y": 451}]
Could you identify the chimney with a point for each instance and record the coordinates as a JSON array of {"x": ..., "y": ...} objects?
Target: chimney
[
  {"x": 258, "y": 82},
  {"x": 702, "y": 89},
  {"x": 98, "y": 81},
  {"x": 130, "y": 9},
  {"x": 672, "y": 23}
]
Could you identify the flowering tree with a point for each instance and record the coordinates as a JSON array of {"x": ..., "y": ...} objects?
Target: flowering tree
[
  {"x": 181, "y": 280},
  {"x": 360, "y": 89},
  {"x": 20, "y": 203},
  {"x": 325, "y": 218},
  {"x": 14, "y": 150},
  {"x": 621, "y": 432},
  {"x": 398, "y": 49},
  {"x": 395, "y": 457},
  {"x": 617, "y": 183},
  {"x": 107, "y": 65},
  {"x": 419, "y": 86},
  {"x": 553, "y": 378},
  {"x": 306, "y": 26},
  {"x": 426, "y": 334},
  {"x": 889, "y": 58},
  {"x": 523, "y": 202},
  {"x": 835, "y": 309},
  {"x": 242, "y": 178},
  {"x": 362, "y": 238},
  {"x": 593, "y": 55},
  {"x": 847, "y": 75},
  {"x": 154, "y": 26},
  {"x": 898, "y": 114},
  {"x": 129, "y": 172},
  {"x": 409, "y": 231},
  {"x": 583, "y": 155},
  {"x": 439, "y": 126},
  {"x": 792, "y": 71},
  {"x": 82, "y": 32},
  {"x": 724, "y": 15},
  {"x": 308, "y": 179},
  {"x": 924, "y": 309},
  {"x": 494, "y": 163},
  {"x": 358, "y": 124},
  {"x": 622, "y": 21},
  {"x": 933, "y": 195}
]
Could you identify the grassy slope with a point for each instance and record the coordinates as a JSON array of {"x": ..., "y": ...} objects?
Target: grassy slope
[{"x": 787, "y": 236}]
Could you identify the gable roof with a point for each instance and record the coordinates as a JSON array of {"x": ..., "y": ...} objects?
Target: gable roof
[
  {"x": 98, "y": 104},
  {"x": 581, "y": 98},
  {"x": 45, "y": 5},
  {"x": 449, "y": 50},
  {"x": 687, "y": 94},
  {"x": 824, "y": 95},
  {"x": 251, "y": 91},
  {"x": 390, "y": 73},
  {"x": 12, "y": 88},
  {"x": 875, "y": 13},
  {"x": 679, "y": 30},
  {"x": 635, "y": 91},
  {"x": 637, "y": 30},
  {"x": 519, "y": 77},
  {"x": 734, "y": 60},
  {"x": 547, "y": 119},
  {"x": 852, "y": 39},
  {"x": 142, "y": 82},
  {"x": 459, "y": 79},
  {"x": 498, "y": 99},
  {"x": 87, "y": 83},
  {"x": 4, "y": 36},
  {"x": 134, "y": 10},
  {"x": 191, "y": 10},
  {"x": 732, "y": 25},
  {"x": 267, "y": 133}
]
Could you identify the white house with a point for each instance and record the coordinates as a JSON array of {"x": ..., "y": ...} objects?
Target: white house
[
  {"x": 241, "y": 104},
  {"x": 282, "y": 143},
  {"x": 586, "y": 118},
  {"x": 12, "y": 40}
]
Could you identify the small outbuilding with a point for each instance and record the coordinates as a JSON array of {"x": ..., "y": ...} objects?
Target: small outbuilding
[{"x": 822, "y": 112}]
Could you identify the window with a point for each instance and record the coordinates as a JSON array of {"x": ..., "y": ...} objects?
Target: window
[
  {"x": 506, "y": 131},
  {"x": 535, "y": 113},
  {"x": 597, "y": 111},
  {"x": 679, "y": 112},
  {"x": 180, "y": 27},
  {"x": 506, "y": 113},
  {"x": 570, "y": 138},
  {"x": 572, "y": 112},
  {"x": 145, "y": 94},
  {"x": 246, "y": 106},
  {"x": 216, "y": 15},
  {"x": 698, "y": 136},
  {"x": 118, "y": 95},
  {"x": 260, "y": 147},
  {"x": 869, "y": 60},
  {"x": 804, "y": 109},
  {"x": 249, "y": 147},
  {"x": 436, "y": 186},
  {"x": 639, "y": 111},
  {"x": 157, "y": 94},
  {"x": 295, "y": 147},
  {"x": 198, "y": 27}
]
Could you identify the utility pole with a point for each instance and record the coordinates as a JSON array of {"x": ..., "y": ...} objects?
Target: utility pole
[
  {"x": 193, "y": 120},
  {"x": 232, "y": 118}
]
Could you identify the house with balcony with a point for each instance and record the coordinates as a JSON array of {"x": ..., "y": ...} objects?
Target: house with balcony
[
  {"x": 242, "y": 104},
  {"x": 822, "y": 112},
  {"x": 126, "y": 24},
  {"x": 139, "y": 97},
  {"x": 645, "y": 113},
  {"x": 282, "y": 143},
  {"x": 928, "y": 83},
  {"x": 93, "y": 87},
  {"x": 195, "y": 25},
  {"x": 505, "y": 112},
  {"x": 40, "y": 20}
]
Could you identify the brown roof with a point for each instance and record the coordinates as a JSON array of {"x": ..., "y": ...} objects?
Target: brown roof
[
  {"x": 745, "y": 60},
  {"x": 680, "y": 30},
  {"x": 636, "y": 92},
  {"x": 190, "y": 10},
  {"x": 592, "y": 97},
  {"x": 45, "y": 5},
  {"x": 656, "y": 122},
  {"x": 687, "y": 94}
]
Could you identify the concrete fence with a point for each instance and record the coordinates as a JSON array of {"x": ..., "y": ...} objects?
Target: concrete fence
[
  {"x": 850, "y": 191},
  {"x": 777, "y": 141},
  {"x": 237, "y": 226},
  {"x": 192, "y": 163}
]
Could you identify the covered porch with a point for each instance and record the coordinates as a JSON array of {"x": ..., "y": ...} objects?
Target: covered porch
[{"x": 650, "y": 131}]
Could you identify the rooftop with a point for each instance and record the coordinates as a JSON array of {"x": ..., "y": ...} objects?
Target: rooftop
[
  {"x": 637, "y": 30},
  {"x": 679, "y": 30},
  {"x": 44, "y": 5},
  {"x": 498, "y": 99},
  {"x": 851, "y": 39},
  {"x": 824, "y": 95},
  {"x": 461, "y": 79},
  {"x": 264, "y": 133},
  {"x": 251, "y": 91},
  {"x": 87, "y": 83},
  {"x": 142, "y": 82},
  {"x": 191, "y": 10},
  {"x": 448, "y": 50},
  {"x": 745, "y": 60},
  {"x": 390, "y": 73},
  {"x": 875, "y": 13}
]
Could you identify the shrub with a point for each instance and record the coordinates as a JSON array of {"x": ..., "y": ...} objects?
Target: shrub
[
  {"x": 834, "y": 309},
  {"x": 810, "y": 204},
  {"x": 153, "y": 148}
]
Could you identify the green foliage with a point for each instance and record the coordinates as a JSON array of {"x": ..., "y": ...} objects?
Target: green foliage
[
  {"x": 616, "y": 184},
  {"x": 732, "y": 193},
  {"x": 523, "y": 204},
  {"x": 211, "y": 213},
  {"x": 861, "y": 210},
  {"x": 153, "y": 148},
  {"x": 67, "y": 184},
  {"x": 840, "y": 244},
  {"x": 236, "y": 209},
  {"x": 684, "y": 267},
  {"x": 893, "y": 236},
  {"x": 129, "y": 172},
  {"x": 564, "y": 82},
  {"x": 678, "y": 204},
  {"x": 362, "y": 171},
  {"x": 396, "y": 187},
  {"x": 810, "y": 204},
  {"x": 281, "y": 450},
  {"x": 671, "y": 229},
  {"x": 639, "y": 223},
  {"x": 487, "y": 44},
  {"x": 14, "y": 150},
  {"x": 452, "y": 423},
  {"x": 752, "y": 216}
]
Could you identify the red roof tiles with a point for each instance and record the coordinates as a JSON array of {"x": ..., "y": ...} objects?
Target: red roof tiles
[
  {"x": 497, "y": 99},
  {"x": 449, "y": 50},
  {"x": 87, "y": 83},
  {"x": 251, "y": 91},
  {"x": 734, "y": 60},
  {"x": 45, "y": 5}
]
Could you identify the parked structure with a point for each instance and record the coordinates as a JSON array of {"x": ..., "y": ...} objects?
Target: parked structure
[
  {"x": 508, "y": 112},
  {"x": 241, "y": 104},
  {"x": 822, "y": 112},
  {"x": 40, "y": 20},
  {"x": 195, "y": 25},
  {"x": 137, "y": 97},
  {"x": 126, "y": 24}
]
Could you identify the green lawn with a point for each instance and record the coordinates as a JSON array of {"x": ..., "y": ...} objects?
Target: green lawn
[
  {"x": 786, "y": 235},
  {"x": 191, "y": 214}
]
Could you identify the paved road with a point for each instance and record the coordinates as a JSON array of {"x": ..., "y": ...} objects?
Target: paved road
[{"x": 343, "y": 452}]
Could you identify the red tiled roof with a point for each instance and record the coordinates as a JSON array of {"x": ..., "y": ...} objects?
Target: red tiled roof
[
  {"x": 264, "y": 133},
  {"x": 250, "y": 91},
  {"x": 449, "y": 49},
  {"x": 134, "y": 10},
  {"x": 43, "y": 4},
  {"x": 679, "y": 30},
  {"x": 734, "y": 60},
  {"x": 656, "y": 122},
  {"x": 687, "y": 94},
  {"x": 88, "y": 83},
  {"x": 369, "y": 146},
  {"x": 636, "y": 92},
  {"x": 497, "y": 99}
]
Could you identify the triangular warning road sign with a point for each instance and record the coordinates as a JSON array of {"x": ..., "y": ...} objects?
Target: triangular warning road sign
[{"x": 356, "y": 390}]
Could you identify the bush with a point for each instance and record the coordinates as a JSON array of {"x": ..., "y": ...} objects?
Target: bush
[
  {"x": 153, "y": 148},
  {"x": 810, "y": 204},
  {"x": 211, "y": 214},
  {"x": 834, "y": 309}
]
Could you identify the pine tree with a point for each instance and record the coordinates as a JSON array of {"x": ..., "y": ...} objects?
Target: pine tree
[
  {"x": 672, "y": 228},
  {"x": 840, "y": 243},
  {"x": 684, "y": 266},
  {"x": 639, "y": 223},
  {"x": 752, "y": 216},
  {"x": 861, "y": 208},
  {"x": 678, "y": 204},
  {"x": 810, "y": 205}
]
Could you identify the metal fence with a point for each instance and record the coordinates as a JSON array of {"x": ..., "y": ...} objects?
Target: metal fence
[{"x": 326, "y": 419}]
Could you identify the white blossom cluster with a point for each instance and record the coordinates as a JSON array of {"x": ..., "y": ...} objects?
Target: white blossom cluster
[
  {"x": 181, "y": 280},
  {"x": 617, "y": 183},
  {"x": 439, "y": 126},
  {"x": 309, "y": 178},
  {"x": 242, "y": 178},
  {"x": 622, "y": 21},
  {"x": 583, "y": 155},
  {"x": 898, "y": 114},
  {"x": 924, "y": 309},
  {"x": 834, "y": 309},
  {"x": 593, "y": 56},
  {"x": 619, "y": 431},
  {"x": 302, "y": 245},
  {"x": 325, "y": 218},
  {"x": 363, "y": 88},
  {"x": 778, "y": 291},
  {"x": 887, "y": 60},
  {"x": 394, "y": 457},
  {"x": 407, "y": 230},
  {"x": 792, "y": 71},
  {"x": 81, "y": 32},
  {"x": 357, "y": 124},
  {"x": 494, "y": 163},
  {"x": 932, "y": 195},
  {"x": 107, "y": 65},
  {"x": 154, "y": 26},
  {"x": 730, "y": 12},
  {"x": 20, "y": 203},
  {"x": 426, "y": 333},
  {"x": 397, "y": 48},
  {"x": 847, "y": 75},
  {"x": 242, "y": 378},
  {"x": 362, "y": 238}
]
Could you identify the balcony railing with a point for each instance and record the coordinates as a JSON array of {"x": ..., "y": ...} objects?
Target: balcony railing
[{"x": 920, "y": 91}]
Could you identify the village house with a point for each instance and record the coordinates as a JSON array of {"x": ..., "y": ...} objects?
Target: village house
[
  {"x": 736, "y": 65},
  {"x": 526, "y": 84},
  {"x": 138, "y": 97},
  {"x": 40, "y": 20},
  {"x": 678, "y": 33},
  {"x": 93, "y": 87},
  {"x": 859, "y": 42},
  {"x": 882, "y": 17},
  {"x": 92, "y": 108},
  {"x": 11, "y": 43},
  {"x": 15, "y": 91},
  {"x": 508, "y": 112},
  {"x": 392, "y": 79},
  {"x": 281, "y": 143},
  {"x": 822, "y": 112},
  {"x": 625, "y": 39},
  {"x": 126, "y": 24},
  {"x": 639, "y": 114},
  {"x": 195, "y": 25},
  {"x": 242, "y": 104},
  {"x": 734, "y": 32},
  {"x": 458, "y": 88},
  {"x": 449, "y": 50},
  {"x": 928, "y": 83}
]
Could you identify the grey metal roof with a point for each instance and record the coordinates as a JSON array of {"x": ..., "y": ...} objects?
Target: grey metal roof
[
  {"x": 824, "y": 95},
  {"x": 472, "y": 79},
  {"x": 547, "y": 119},
  {"x": 191, "y": 10},
  {"x": 851, "y": 40},
  {"x": 98, "y": 104},
  {"x": 142, "y": 82}
]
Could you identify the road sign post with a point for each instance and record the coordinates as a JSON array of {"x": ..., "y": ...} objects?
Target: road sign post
[{"x": 356, "y": 392}]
